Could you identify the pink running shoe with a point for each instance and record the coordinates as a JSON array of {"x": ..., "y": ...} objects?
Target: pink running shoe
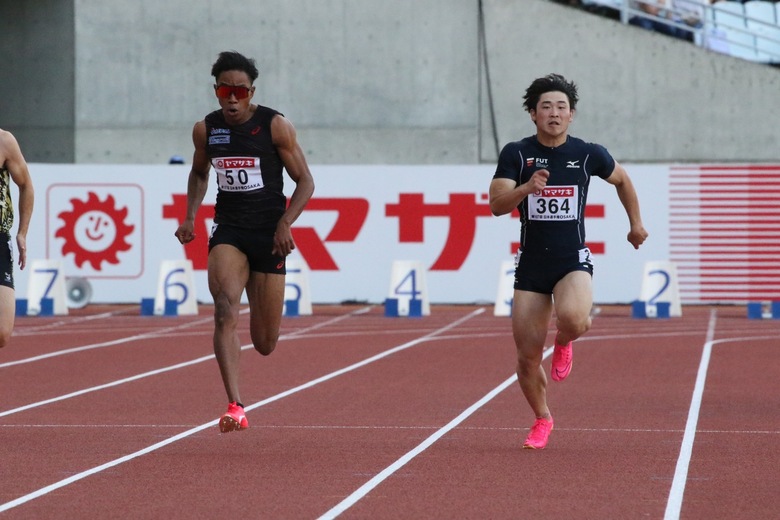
[
  {"x": 561, "y": 362},
  {"x": 540, "y": 432},
  {"x": 234, "y": 419}
]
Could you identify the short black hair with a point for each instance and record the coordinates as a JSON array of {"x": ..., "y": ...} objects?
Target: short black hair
[
  {"x": 232, "y": 60},
  {"x": 550, "y": 83}
]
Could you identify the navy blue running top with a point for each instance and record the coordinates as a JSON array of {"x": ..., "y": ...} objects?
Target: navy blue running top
[{"x": 553, "y": 220}]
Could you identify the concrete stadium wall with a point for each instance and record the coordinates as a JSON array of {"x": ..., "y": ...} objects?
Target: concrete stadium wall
[
  {"x": 362, "y": 81},
  {"x": 645, "y": 96},
  {"x": 369, "y": 82},
  {"x": 37, "y": 91}
]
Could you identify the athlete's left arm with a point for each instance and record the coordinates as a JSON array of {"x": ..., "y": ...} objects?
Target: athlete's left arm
[
  {"x": 628, "y": 197},
  {"x": 20, "y": 174},
  {"x": 286, "y": 142}
]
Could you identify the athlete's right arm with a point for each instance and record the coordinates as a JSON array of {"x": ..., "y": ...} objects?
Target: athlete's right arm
[
  {"x": 506, "y": 194},
  {"x": 197, "y": 183}
]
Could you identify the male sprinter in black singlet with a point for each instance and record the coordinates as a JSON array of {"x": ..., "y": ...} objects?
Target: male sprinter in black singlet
[
  {"x": 13, "y": 168},
  {"x": 248, "y": 146},
  {"x": 546, "y": 177}
]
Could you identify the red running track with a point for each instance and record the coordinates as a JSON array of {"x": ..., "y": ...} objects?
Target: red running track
[{"x": 105, "y": 413}]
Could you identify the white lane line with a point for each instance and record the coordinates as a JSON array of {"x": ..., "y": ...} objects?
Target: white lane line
[
  {"x": 145, "y": 335},
  {"x": 106, "y": 385},
  {"x": 304, "y": 427},
  {"x": 168, "y": 368},
  {"x": 674, "y": 504},
  {"x": 119, "y": 341},
  {"x": 366, "y": 361},
  {"x": 33, "y": 330},
  {"x": 398, "y": 464},
  {"x": 84, "y": 474},
  {"x": 380, "y": 477}
]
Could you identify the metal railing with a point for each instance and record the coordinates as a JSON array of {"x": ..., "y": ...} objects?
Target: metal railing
[{"x": 724, "y": 27}]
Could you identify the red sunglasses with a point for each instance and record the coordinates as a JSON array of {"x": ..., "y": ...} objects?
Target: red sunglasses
[{"x": 225, "y": 91}]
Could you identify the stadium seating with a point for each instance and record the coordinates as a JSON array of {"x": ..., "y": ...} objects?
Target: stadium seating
[
  {"x": 614, "y": 4},
  {"x": 730, "y": 24},
  {"x": 749, "y": 30},
  {"x": 762, "y": 20}
]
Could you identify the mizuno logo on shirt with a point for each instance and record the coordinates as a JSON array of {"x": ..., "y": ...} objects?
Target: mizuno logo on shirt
[{"x": 572, "y": 164}]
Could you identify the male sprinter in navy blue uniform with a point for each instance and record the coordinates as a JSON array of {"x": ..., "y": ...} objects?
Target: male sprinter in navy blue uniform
[
  {"x": 248, "y": 146},
  {"x": 546, "y": 177}
]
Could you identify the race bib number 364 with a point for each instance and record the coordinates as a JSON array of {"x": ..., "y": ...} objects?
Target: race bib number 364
[
  {"x": 238, "y": 173},
  {"x": 554, "y": 203}
]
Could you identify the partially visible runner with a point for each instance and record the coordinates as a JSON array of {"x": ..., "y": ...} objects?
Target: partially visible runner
[
  {"x": 546, "y": 176},
  {"x": 249, "y": 146},
  {"x": 13, "y": 168}
]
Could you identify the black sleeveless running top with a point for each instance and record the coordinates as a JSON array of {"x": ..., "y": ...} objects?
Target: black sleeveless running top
[{"x": 249, "y": 170}]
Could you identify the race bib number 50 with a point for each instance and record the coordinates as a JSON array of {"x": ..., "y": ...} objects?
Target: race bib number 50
[
  {"x": 238, "y": 173},
  {"x": 554, "y": 203}
]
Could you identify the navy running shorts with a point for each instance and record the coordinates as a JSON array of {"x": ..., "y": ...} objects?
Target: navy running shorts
[
  {"x": 539, "y": 273},
  {"x": 255, "y": 244}
]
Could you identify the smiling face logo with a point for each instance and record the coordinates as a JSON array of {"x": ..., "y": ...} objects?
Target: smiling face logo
[{"x": 94, "y": 231}]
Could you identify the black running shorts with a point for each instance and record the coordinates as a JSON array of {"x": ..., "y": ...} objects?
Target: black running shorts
[
  {"x": 6, "y": 260},
  {"x": 255, "y": 244}
]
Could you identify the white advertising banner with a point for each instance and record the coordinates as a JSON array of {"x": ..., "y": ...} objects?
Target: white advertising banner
[{"x": 114, "y": 225}]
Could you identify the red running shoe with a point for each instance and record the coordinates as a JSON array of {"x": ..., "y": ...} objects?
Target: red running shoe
[
  {"x": 234, "y": 419},
  {"x": 561, "y": 362},
  {"x": 540, "y": 432}
]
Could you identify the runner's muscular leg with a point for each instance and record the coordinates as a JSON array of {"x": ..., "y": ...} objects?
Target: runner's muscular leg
[
  {"x": 266, "y": 302},
  {"x": 573, "y": 297},
  {"x": 531, "y": 314},
  {"x": 7, "y": 314},
  {"x": 228, "y": 274}
]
